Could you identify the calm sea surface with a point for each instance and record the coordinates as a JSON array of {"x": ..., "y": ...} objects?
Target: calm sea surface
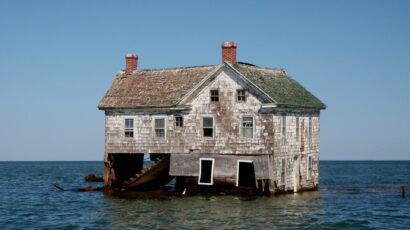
[{"x": 352, "y": 195}]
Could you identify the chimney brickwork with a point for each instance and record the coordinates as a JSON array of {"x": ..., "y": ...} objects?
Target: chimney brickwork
[
  {"x": 131, "y": 61},
  {"x": 229, "y": 52}
]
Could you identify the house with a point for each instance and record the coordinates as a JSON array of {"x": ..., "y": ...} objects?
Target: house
[{"x": 223, "y": 127}]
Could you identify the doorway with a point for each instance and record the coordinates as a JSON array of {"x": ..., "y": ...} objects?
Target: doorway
[{"x": 245, "y": 174}]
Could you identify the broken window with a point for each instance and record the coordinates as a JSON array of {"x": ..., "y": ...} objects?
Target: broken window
[
  {"x": 206, "y": 171},
  {"x": 214, "y": 95},
  {"x": 282, "y": 177},
  {"x": 179, "y": 121},
  {"x": 241, "y": 95},
  {"x": 283, "y": 124},
  {"x": 310, "y": 126},
  {"x": 160, "y": 127},
  {"x": 208, "y": 126},
  {"x": 309, "y": 167},
  {"x": 129, "y": 127},
  {"x": 247, "y": 127},
  {"x": 297, "y": 128}
]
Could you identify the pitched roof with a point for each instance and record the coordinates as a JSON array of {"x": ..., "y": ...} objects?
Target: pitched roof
[
  {"x": 281, "y": 88},
  {"x": 166, "y": 87},
  {"x": 153, "y": 88}
]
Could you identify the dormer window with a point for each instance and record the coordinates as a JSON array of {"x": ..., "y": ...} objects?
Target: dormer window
[
  {"x": 214, "y": 95},
  {"x": 241, "y": 95}
]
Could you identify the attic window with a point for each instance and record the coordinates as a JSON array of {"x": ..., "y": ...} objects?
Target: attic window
[
  {"x": 179, "y": 121},
  {"x": 241, "y": 95},
  {"x": 159, "y": 126},
  {"x": 214, "y": 95},
  {"x": 129, "y": 127}
]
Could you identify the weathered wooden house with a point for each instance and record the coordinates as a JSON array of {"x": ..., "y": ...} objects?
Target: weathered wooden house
[{"x": 221, "y": 127}]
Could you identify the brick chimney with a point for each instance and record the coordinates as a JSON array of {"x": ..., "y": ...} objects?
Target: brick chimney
[
  {"x": 131, "y": 61},
  {"x": 229, "y": 52}
]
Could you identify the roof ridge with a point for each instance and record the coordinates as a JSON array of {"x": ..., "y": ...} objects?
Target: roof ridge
[
  {"x": 176, "y": 68},
  {"x": 259, "y": 67}
]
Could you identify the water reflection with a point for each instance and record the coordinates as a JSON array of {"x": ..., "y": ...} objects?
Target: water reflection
[{"x": 217, "y": 212}]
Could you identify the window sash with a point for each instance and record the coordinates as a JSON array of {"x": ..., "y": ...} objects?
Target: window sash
[
  {"x": 179, "y": 121},
  {"x": 247, "y": 127},
  {"x": 159, "y": 127},
  {"x": 215, "y": 95},
  {"x": 129, "y": 127},
  {"x": 208, "y": 122},
  {"x": 241, "y": 95},
  {"x": 310, "y": 126}
]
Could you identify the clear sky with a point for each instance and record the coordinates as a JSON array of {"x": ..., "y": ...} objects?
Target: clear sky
[{"x": 57, "y": 59}]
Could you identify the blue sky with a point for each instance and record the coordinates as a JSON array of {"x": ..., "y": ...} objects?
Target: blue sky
[{"x": 57, "y": 59}]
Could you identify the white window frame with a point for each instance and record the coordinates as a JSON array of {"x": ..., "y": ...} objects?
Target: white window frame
[
  {"x": 237, "y": 169},
  {"x": 253, "y": 127},
  {"x": 213, "y": 126},
  {"x": 165, "y": 126},
  {"x": 125, "y": 129},
  {"x": 309, "y": 174},
  {"x": 283, "y": 125},
  {"x": 212, "y": 170}
]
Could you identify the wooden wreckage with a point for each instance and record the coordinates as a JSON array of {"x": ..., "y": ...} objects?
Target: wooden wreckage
[{"x": 227, "y": 128}]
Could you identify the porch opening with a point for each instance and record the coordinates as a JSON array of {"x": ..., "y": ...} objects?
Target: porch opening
[
  {"x": 206, "y": 171},
  {"x": 125, "y": 165},
  {"x": 245, "y": 174}
]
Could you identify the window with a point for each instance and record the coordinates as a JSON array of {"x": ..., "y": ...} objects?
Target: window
[
  {"x": 214, "y": 95},
  {"x": 241, "y": 95},
  {"x": 309, "y": 167},
  {"x": 179, "y": 121},
  {"x": 247, "y": 127},
  {"x": 310, "y": 126},
  {"x": 282, "y": 175},
  {"x": 208, "y": 126},
  {"x": 129, "y": 127},
  {"x": 283, "y": 125},
  {"x": 159, "y": 126},
  {"x": 206, "y": 171},
  {"x": 297, "y": 129}
]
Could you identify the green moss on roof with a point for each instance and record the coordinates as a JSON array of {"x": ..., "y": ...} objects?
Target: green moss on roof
[{"x": 280, "y": 87}]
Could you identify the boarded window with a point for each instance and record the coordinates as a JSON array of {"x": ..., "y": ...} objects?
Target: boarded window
[
  {"x": 215, "y": 95},
  {"x": 247, "y": 127},
  {"x": 129, "y": 127},
  {"x": 283, "y": 124},
  {"x": 206, "y": 168},
  {"x": 309, "y": 167},
  {"x": 208, "y": 126},
  {"x": 179, "y": 121},
  {"x": 297, "y": 129},
  {"x": 310, "y": 126},
  {"x": 159, "y": 127},
  {"x": 241, "y": 95},
  {"x": 282, "y": 177}
]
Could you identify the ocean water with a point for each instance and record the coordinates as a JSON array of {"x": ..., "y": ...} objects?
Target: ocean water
[{"x": 352, "y": 195}]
